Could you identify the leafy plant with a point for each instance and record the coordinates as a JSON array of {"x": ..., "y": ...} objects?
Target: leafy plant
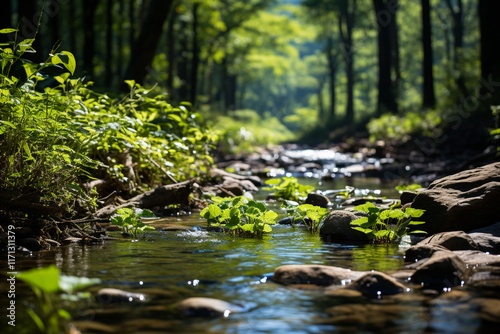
[
  {"x": 288, "y": 188},
  {"x": 241, "y": 215},
  {"x": 54, "y": 292},
  {"x": 386, "y": 226},
  {"x": 409, "y": 187},
  {"x": 311, "y": 215},
  {"x": 130, "y": 220}
]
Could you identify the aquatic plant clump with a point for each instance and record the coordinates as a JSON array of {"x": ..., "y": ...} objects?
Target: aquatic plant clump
[
  {"x": 386, "y": 226},
  {"x": 242, "y": 216}
]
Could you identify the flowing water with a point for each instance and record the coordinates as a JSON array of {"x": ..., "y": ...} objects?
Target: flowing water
[{"x": 169, "y": 266}]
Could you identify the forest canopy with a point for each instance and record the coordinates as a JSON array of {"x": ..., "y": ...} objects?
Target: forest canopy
[{"x": 311, "y": 68}]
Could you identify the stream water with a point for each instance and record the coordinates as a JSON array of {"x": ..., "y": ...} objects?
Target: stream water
[{"x": 170, "y": 266}]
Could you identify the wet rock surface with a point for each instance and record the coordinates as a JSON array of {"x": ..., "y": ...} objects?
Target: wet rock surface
[
  {"x": 314, "y": 274},
  {"x": 442, "y": 269},
  {"x": 206, "y": 307},
  {"x": 464, "y": 201},
  {"x": 376, "y": 284},
  {"x": 337, "y": 227}
]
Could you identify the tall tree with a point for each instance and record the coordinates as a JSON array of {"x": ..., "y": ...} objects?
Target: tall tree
[
  {"x": 109, "y": 44},
  {"x": 89, "y": 9},
  {"x": 149, "y": 35},
  {"x": 385, "y": 12},
  {"x": 195, "y": 59},
  {"x": 346, "y": 25},
  {"x": 490, "y": 53},
  {"x": 429, "y": 98},
  {"x": 457, "y": 15}
]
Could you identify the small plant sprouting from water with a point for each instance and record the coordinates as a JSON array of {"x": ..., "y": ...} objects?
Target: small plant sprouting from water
[
  {"x": 55, "y": 293},
  {"x": 241, "y": 215},
  {"x": 288, "y": 188},
  {"x": 130, "y": 220},
  {"x": 386, "y": 226},
  {"x": 311, "y": 215}
]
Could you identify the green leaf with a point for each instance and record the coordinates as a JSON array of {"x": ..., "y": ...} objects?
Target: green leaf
[
  {"x": 418, "y": 231},
  {"x": 46, "y": 279},
  {"x": 147, "y": 214},
  {"x": 414, "y": 213},
  {"x": 8, "y": 30},
  {"x": 416, "y": 222},
  {"x": 247, "y": 227},
  {"x": 273, "y": 181},
  {"x": 368, "y": 207},
  {"x": 360, "y": 221},
  {"x": 66, "y": 59},
  {"x": 267, "y": 229},
  {"x": 71, "y": 284}
]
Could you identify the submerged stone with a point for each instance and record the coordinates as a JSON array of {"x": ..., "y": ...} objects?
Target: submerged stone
[
  {"x": 207, "y": 307},
  {"x": 443, "y": 270},
  {"x": 110, "y": 295},
  {"x": 377, "y": 284},
  {"x": 314, "y": 274},
  {"x": 455, "y": 240}
]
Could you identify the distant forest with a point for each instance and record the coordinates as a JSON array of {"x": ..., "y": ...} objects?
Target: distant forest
[{"x": 309, "y": 64}]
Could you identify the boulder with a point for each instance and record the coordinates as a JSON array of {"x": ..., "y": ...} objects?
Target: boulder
[
  {"x": 477, "y": 258},
  {"x": 337, "y": 227},
  {"x": 464, "y": 201},
  {"x": 486, "y": 242},
  {"x": 443, "y": 270},
  {"x": 455, "y": 240},
  {"x": 424, "y": 251},
  {"x": 377, "y": 284},
  {"x": 408, "y": 196},
  {"x": 314, "y": 274},
  {"x": 207, "y": 307},
  {"x": 318, "y": 200}
]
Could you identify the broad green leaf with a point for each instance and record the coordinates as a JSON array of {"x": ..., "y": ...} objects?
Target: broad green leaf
[
  {"x": 364, "y": 230},
  {"x": 46, "y": 279},
  {"x": 66, "y": 59},
  {"x": 267, "y": 229},
  {"x": 247, "y": 227},
  {"x": 273, "y": 181},
  {"x": 414, "y": 213},
  {"x": 214, "y": 211},
  {"x": 8, "y": 30},
  {"x": 368, "y": 207},
  {"x": 147, "y": 214},
  {"x": 360, "y": 221},
  {"x": 71, "y": 284}
]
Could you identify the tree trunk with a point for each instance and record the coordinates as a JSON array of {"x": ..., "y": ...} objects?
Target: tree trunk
[
  {"x": 458, "y": 37},
  {"x": 171, "y": 55},
  {"x": 386, "y": 89},
  {"x": 347, "y": 15},
  {"x": 182, "y": 61},
  {"x": 109, "y": 44},
  {"x": 145, "y": 47},
  {"x": 196, "y": 55},
  {"x": 429, "y": 98},
  {"x": 332, "y": 71},
  {"x": 89, "y": 9},
  {"x": 490, "y": 52},
  {"x": 119, "y": 46}
]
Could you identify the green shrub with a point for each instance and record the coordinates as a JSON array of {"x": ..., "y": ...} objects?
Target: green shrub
[
  {"x": 288, "y": 188},
  {"x": 390, "y": 126},
  {"x": 130, "y": 221},
  {"x": 386, "y": 226},
  {"x": 311, "y": 215},
  {"x": 241, "y": 215}
]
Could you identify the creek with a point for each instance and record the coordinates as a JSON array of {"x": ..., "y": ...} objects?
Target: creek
[{"x": 169, "y": 266}]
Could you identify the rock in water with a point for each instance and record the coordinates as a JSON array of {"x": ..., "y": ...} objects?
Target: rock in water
[
  {"x": 464, "y": 201},
  {"x": 319, "y": 275},
  {"x": 337, "y": 227},
  {"x": 207, "y": 307}
]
